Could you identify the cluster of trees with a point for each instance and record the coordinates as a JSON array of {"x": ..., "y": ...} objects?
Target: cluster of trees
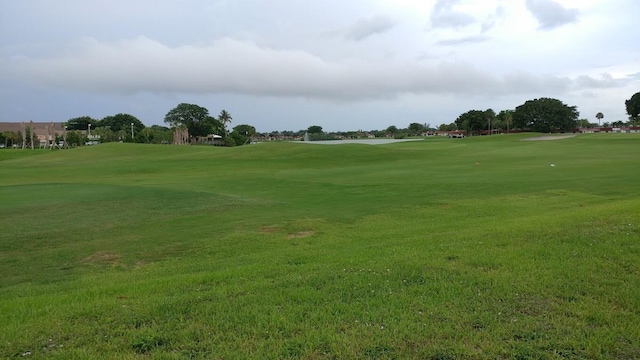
[
  {"x": 128, "y": 128},
  {"x": 15, "y": 138},
  {"x": 414, "y": 129},
  {"x": 119, "y": 127},
  {"x": 9, "y": 138},
  {"x": 540, "y": 115},
  {"x": 197, "y": 121},
  {"x": 633, "y": 108},
  {"x": 315, "y": 132}
]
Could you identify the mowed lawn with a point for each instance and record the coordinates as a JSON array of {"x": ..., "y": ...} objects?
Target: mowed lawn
[{"x": 478, "y": 248}]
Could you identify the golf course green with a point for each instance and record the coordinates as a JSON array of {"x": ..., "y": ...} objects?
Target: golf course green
[{"x": 487, "y": 247}]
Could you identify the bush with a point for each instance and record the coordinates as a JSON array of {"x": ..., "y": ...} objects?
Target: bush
[{"x": 400, "y": 136}]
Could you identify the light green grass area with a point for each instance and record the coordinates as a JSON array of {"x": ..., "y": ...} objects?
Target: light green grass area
[{"x": 470, "y": 248}]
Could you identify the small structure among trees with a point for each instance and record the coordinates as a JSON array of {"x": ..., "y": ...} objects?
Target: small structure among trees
[
  {"x": 24, "y": 134},
  {"x": 211, "y": 139},
  {"x": 181, "y": 135}
]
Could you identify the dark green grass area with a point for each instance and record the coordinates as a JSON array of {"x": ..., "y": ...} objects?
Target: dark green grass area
[{"x": 441, "y": 249}]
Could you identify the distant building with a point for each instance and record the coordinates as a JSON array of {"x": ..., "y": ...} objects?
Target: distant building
[
  {"x": 622, "y": 129},
  {"x": 457, "y": 134},
  {"x": 39, "y": 128},
  {"x": 211, "y": 139}
]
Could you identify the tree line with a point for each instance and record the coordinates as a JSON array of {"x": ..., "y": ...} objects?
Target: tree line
[
  {"x": 539, "y": 115},
  {"x": 128, "y": 128}
]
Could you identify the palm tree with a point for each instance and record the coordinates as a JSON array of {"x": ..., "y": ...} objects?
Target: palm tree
[
  {"x": 225, "y": 118},
  {"x": 599, "y": 116}
]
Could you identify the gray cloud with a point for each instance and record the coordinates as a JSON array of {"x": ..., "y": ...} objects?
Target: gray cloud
[
  {"x": 605, "y": 81},
  {"x": 550, "y": 14},
  {"x": 634, "y": 76},
  {"x": 487, "y": 25},
  {"x": 444, "y": 15},
  {"x": 490, "y": 22},
  {"x": 270, "y": 63},
  {"x": 367, "y": 27},
  {"x": 229, "y": 66}
]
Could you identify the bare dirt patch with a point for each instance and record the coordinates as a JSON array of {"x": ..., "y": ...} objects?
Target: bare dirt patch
[
  {"x": 301, "y": 234},
  {"x": 268, "y": 229},
  {"x": 550, "y": 137},
  {"x": 101, "y": 257}
]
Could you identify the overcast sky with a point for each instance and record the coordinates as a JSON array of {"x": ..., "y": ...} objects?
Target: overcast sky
[{"x": 290, "y": 64}]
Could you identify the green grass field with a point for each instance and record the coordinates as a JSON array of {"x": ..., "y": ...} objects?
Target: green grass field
[{"x": 470, "y": 248}]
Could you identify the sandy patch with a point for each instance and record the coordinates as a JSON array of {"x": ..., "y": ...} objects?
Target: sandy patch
[
  {"x": 359, "y": 141},
  {"x": 550, "y": 137},
  {"x": 301, "y": 234},
  {"x": 102, "y": 257}
]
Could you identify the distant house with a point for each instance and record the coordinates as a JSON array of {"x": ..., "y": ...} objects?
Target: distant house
[
  {"x": 491, "y": 132},
  {"x": 626, "y": 129},
  {"x": 211, "y": 139},
  {"x": 43, "y": 132},
  {"x": 457, "y": 134},
  {"x": 39, "y": 128},
  {"x": 622, "y": 129}
]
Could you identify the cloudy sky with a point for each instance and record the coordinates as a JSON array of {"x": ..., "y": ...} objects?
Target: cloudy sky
[{"x": 290, "y": 64}]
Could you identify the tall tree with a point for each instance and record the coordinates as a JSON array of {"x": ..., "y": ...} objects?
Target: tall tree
[
  {"x": 195, "y": 118},
  {"x": 105, "y": 133},
  {"x": 490, "y": 117},
  {"x": 416, "y": 128},
  {"x": 216, "y": 126},
  {"x": 225, "y": 118},
  {"x": 241, "y": 134},
  {"x": 545, "y": 115},
  {"x": 633, "y": 107},
  {"x": 504, "y": 120},
  {"x": 450, "y": 127},
  {"x": 618, "y": 123},
  {"x": 599, "y": 116},
  {"x": 74, "y": 138},
  {"x": 245, "y": 129},
  {"x": 315, "y": 129},
  {"x": 472, "y": 121},
  {"x": 161, "y": 134},
  {"x": 81, "y": 123},
  {"x": 145, "y": 136},
  {"x": 507, "y": 117},
  {"x": 121, "y": 122},
  {"x": 10, "y": 138},
  {"x": 584, "y": 123}
]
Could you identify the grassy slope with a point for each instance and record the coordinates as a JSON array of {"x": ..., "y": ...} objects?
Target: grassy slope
[{"x": 473, "y": 248}]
